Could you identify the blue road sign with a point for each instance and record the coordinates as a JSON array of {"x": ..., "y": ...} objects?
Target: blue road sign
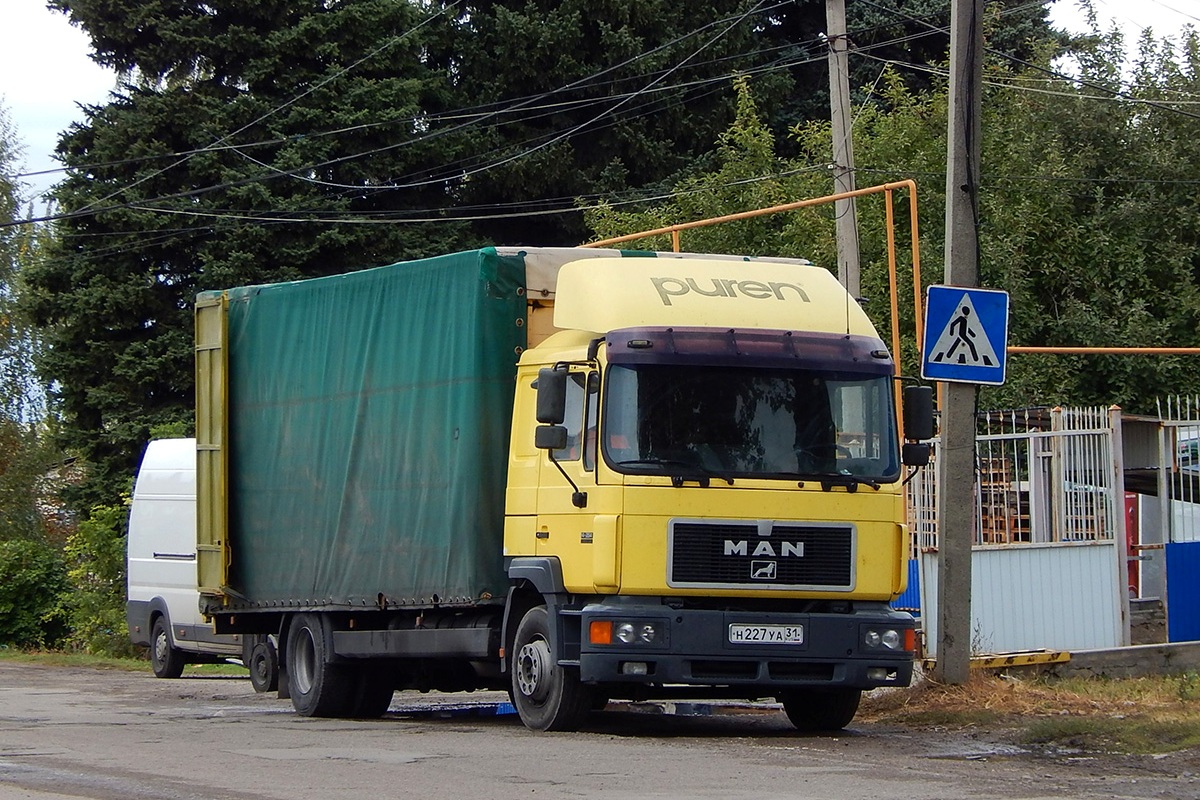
[{"x": 966, "y": 335}]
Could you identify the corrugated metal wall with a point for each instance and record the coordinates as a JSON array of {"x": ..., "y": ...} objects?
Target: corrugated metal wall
[{"x": 1036, "y": 596}]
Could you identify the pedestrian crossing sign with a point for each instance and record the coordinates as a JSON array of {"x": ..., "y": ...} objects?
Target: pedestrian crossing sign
[{"x": 966, "y": 335}]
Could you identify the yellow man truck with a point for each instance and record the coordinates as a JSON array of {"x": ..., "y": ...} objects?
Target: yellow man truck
[{"x": 575, "y": 474}]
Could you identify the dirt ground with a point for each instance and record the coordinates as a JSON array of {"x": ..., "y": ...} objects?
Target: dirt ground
[{"x": 67, "y": 732}]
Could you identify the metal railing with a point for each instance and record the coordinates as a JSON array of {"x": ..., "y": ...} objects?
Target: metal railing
[{"x": 1042, "y": 476}]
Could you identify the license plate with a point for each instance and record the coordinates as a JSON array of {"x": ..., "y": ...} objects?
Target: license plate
[{"x": 766, "y": 634}]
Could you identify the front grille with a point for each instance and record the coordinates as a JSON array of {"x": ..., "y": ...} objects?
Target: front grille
[
  {"x": 761, "y": 554},
  {"x": 799, "y": 671},
  {"x": 723, "y": 670}
]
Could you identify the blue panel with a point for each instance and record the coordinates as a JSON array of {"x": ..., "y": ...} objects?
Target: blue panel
[
  {"x": 966, "y": 335},
  {"x": 1183, "y": 592},
  {"x": 910, "y": 600}
]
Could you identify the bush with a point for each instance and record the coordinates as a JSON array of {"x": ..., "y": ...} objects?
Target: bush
[
  {"x": 96, "y": 606},
  {"x": 33, "y": 581}
]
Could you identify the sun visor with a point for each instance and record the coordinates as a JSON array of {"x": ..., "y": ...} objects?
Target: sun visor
[{"x": 604, "y": 294}]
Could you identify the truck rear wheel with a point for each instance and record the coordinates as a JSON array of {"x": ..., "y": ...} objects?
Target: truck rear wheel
[
  {"x": 820, "y": 710},
  {"x": 548, "y": 697},
  {"x": 373, "y": 690},
  {"x": 166, "y": 660},
  {"x": 263, "y": 663},
  {"x": 319, "y": 688}
]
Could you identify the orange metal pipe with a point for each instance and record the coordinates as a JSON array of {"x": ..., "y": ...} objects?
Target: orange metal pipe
[
  {"x": 894, "y": 291},
  {"x": 1153, "y": 351},
  {"x": 885, "y": 188},
  {"x": 758, "y": 212},
  {"x": 893, "y": 283},
  {"x": 919, "y": 319}
]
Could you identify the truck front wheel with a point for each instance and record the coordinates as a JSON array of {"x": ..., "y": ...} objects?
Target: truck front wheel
[
  {"x": 166, "y": 660},
  {"x": 820, "y": 710},
  {"x": 319, "y": 688},
  {"x": 549, "y": 697}
]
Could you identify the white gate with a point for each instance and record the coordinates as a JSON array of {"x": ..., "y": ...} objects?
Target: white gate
[{"x": 1048, "y": 562}]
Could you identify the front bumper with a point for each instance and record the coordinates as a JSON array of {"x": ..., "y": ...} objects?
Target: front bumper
[{"x": 695, "y": 649}]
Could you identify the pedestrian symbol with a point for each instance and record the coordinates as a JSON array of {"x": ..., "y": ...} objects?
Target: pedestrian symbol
[
  {"x": 964, "y": 340},
  {"x": 966, "y": 335}
]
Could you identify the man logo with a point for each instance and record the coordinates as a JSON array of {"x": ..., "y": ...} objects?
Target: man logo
[{"x": 762, "y": 570}]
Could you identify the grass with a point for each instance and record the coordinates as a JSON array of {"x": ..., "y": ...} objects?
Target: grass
[
  {"x": 1133, "y": 715},
  {"x": 82, "y": 660},
  {"x": 1096, "y": 715}
]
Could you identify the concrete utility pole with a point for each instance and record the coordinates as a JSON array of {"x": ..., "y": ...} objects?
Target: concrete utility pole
[
  {"x": 843, "y": 146},
  {"x": 956, "y": 451}
]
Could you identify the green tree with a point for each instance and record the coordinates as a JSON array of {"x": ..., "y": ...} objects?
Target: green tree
[
  {"x": 95, "y": 604},
  {"x": 626, "y": 94},
  {"x": 32, "y": 582},
  {"x": 257, "y": 142},
  {"x": 246, "y": 142},
  {"x": 24, "y": 454},
  {"x": 1087, "y": 209}
]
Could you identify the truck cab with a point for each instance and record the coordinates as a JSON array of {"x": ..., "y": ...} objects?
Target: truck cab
[{"x": 704, "y": 493}]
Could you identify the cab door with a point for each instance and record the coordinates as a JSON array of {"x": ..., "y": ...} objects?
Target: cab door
[{"x": 581, "y": 536}]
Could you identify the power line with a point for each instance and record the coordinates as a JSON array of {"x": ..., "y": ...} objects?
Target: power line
[
  {"x": 386, "y": 45},
  {"x": 733, "y": 20},
  {"x": 1038, "y": 68},
  {"x": 555, "y": 136},
  {"x": 470, "y": 115}
]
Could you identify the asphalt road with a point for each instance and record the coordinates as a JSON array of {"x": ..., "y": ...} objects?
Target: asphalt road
[{"x": 77, "y": 733}]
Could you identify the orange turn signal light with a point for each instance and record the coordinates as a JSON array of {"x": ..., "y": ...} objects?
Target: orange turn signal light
[
  {"x": 910, "y": 640},
  {"x": 600, "y": 631}
]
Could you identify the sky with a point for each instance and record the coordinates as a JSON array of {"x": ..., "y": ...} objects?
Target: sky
[{"x": 45, "y": 72}]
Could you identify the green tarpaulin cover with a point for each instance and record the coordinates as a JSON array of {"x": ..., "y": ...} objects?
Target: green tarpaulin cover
[{"x": 369, "y": 420}]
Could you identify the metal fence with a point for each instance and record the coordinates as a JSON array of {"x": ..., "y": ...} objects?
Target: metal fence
[
  {"x": 1042, "y": 476},
  {"x": 1181, "y": 441}
]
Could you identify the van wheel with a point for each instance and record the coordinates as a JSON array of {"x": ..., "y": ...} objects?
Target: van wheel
[
  {"x": 264, "y": 666},
  {"x": 549, "y": 697},
  {"x": 165, "y": 660},
  {"x": 820, "y": 711},
  {"x": 319, "y": 687}
]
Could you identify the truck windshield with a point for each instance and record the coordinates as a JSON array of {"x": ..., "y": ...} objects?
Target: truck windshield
[{"x": 728, "y": 422}]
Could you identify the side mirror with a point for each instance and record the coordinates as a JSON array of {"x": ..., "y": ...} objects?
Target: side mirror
[
  {"x": 551, "y": 396},
  {"x": 918, "y": 413},
  {"x": 549, "y": 437},
  {"x": 915, "y": 454}
]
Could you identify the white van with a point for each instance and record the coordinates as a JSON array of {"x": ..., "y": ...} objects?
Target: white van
[{"x": 163, "y": 607}]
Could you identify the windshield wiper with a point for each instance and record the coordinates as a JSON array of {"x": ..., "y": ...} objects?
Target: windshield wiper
[
  {"x": 851, "y": 482},
  {"x": 678, "y": 478}
]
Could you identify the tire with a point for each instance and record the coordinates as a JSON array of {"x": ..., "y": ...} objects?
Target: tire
[
  {"x": 548, "y": 697},
  {"x": 820, "y": 710},
  {"x": 374, "y": 687},
  {"x": 318, "y": 686},
  {"x": 165, "y": 659},
  {"x": 263, "y": 664}
]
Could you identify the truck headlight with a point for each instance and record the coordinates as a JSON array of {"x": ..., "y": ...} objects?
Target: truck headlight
[
  {"x": 889, "y": 639},
  {"x": 652, "y": 633}
]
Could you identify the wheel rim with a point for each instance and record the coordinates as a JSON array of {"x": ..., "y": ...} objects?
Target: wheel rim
[
  {"x": 304, "y": 662},
  {"x": 258, "y": 667},
  {"x": 161, "y": 647},
  {"x": 533, "y": 670}
]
